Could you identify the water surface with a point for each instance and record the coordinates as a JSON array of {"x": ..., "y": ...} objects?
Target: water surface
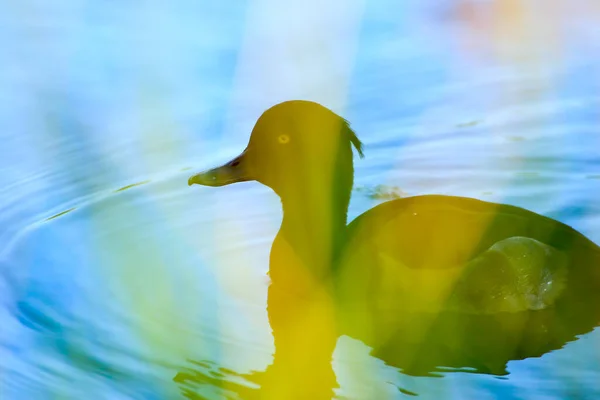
[{"x": 116, "y": 278}]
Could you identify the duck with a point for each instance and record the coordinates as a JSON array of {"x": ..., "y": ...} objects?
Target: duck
[{"x": 418, "y": 255}]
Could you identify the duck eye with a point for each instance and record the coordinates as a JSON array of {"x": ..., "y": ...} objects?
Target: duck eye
[{"x": 283, "y": 139}]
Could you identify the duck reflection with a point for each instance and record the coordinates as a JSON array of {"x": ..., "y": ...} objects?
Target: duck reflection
[{"x": 428, "y": 282}]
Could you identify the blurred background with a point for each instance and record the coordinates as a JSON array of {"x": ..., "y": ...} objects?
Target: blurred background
[{"x": 115, "y": 276}]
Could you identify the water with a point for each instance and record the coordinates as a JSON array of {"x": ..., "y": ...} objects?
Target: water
[{"x": 119, "y": 281}]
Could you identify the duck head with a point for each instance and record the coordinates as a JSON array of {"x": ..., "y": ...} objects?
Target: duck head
[{"x": 297, "y": 148}]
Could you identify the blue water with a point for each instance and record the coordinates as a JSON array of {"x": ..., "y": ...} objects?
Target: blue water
[{"x": 109, "y": 290}]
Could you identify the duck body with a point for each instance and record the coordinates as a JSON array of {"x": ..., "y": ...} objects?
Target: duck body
[
  {"x": 432, "y": 253},
  {"x": 434, "y": 280}
]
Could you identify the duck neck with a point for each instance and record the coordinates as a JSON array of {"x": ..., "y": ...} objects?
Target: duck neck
[{"x": 314, "y": 224}]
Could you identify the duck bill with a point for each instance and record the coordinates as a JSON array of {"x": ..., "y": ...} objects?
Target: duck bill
[{"x": 234, "y": 171}]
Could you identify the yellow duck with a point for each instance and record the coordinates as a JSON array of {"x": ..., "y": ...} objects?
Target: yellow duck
[
  {"x": 450, "y": 252},
  {"x": 411, "y": 256}
]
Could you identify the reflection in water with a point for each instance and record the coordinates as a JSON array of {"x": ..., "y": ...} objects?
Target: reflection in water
[
  {"x": 430, "y": 283},
  {"x": 61, "y": 213},
  {"x": 132, "y": 186}
]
